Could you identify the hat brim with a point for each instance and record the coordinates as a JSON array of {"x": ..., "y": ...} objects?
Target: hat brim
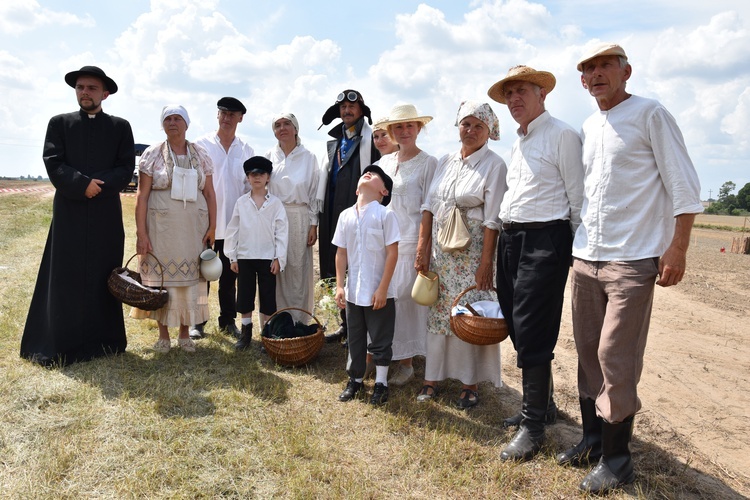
[
  {"x": 72, "y": 77},
  {"x": 334, "y": 112},
  {"x": 541, "y": 79},
  {"x": 424, "y": 120}
]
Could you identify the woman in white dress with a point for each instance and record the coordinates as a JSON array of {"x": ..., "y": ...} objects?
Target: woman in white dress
[
  {"x": 295, "y": 181},
  {"x": 411, "y": 170},
  {"x": 176, "y": 226},
  {"x": 474, "y": 180}
]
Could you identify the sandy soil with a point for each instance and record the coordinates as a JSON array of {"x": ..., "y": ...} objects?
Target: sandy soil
[{"x": 696, "y": 408}]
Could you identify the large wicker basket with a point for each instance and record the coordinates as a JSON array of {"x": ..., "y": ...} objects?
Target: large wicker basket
[
  {"x": 477, "y": 330},
  {"x": 298, "y": 350},
  {"x": 142, "y": 297}
]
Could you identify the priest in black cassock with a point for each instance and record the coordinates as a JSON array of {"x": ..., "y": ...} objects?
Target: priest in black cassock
[{"x": 90, "y": 157}]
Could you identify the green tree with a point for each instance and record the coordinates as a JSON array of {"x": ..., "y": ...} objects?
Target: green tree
[
  {"x": 725, "y": 191},
  {"x": 743, "y": 197}
]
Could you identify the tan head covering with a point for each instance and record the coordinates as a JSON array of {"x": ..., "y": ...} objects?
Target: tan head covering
[
  {"x": 603, "y": 49},
  {"x": 522, "y": 73}
]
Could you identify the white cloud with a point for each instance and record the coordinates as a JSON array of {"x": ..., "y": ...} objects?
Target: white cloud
[{"x": 19, "y": 16}]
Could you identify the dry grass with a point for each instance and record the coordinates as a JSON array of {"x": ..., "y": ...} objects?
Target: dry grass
[{"x": 220, "y": 424}]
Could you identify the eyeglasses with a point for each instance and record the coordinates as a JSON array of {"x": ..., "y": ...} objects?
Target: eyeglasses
[{"x": 349, "y": 96}]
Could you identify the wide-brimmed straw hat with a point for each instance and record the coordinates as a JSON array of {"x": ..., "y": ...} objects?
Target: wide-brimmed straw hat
[
  {"x": 403, "y": 113},
  {"x": 521, "y": 73},
  {"x": 602, "y": 49},
  {"x": 72, "y": 77}
]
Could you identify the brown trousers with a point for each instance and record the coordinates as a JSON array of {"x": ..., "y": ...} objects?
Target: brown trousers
[{"x": 611, "y": 305}]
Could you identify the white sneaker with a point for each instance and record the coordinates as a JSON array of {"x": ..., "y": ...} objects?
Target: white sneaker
[{"x": 402, "y": 375}]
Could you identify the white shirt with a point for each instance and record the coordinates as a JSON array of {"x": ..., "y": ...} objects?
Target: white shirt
[
  {"x": 545, "y": 175},
  {"x": 638, "y": 177},
  {"x": 294, "y": 179},
  {"x": 365, "y": 234},
  {"x": 478, "y": 182},
  {"x": 257, "y": 233},
  {"x": 229, "y": 177}
]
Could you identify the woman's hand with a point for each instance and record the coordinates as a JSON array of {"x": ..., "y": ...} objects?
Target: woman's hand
[
  {"x": 209, "y": 237},
  {"x": 275, "y": 267},
  {"x": 234, "y": 267},
  {"x": 484, "y": 276},
  {"x": 143, "y": 244},
  {"x": 312, "y": 235}
]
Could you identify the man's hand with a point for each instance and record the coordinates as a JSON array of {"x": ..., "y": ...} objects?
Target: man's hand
[
  {"x": 93, "y": 188},
  {"x": 673, "y": 263}
]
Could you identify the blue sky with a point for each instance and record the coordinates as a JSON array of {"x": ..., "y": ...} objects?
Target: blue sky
[{"x": 298, "y": 55}]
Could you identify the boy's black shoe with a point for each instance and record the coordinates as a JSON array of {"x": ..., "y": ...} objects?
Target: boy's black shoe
[
  {"x": 379, "y": 394},
  {"x": 352, "y": 388}
]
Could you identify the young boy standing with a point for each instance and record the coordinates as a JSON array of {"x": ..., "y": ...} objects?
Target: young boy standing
[
  {"x": 367, "y": 238},
  {"x": 255, "y": 244}
]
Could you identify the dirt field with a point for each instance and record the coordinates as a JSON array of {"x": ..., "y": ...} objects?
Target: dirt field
[{"x": 695, "y": 404}]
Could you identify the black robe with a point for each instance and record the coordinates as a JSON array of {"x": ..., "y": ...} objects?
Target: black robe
[
  {"x": 72, "y": 316},
  {"x": 340, "y": 197}
]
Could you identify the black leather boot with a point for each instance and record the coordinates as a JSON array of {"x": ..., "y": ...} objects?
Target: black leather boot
[
  {"x": 549, "y": 419},
  {"x": 589, "y": 450},
  {"x": 246, "y": 335},
  {"x": 341, "y": 333},
  {"x": 530, "y": 436},
  {"x": 615, "y": 467}
]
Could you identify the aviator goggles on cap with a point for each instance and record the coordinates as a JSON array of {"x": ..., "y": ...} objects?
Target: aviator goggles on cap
[{"x": 350, "y": 96}]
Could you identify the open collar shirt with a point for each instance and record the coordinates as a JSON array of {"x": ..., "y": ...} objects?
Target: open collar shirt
[
  {"x": 257, "y": 232},
  {"x": 637, "y": 178},
  {"x": 364, "y": 234},
  {"x": 545, "y": 175},
  {"x": 229, "y": 177}
]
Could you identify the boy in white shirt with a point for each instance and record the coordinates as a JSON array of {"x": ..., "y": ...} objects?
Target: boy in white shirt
[
  {"x": 255, "y": 244},
  {"x": 367, "y": 238}
]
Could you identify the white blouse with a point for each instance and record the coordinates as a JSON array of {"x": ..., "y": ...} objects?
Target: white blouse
[
  {"x": 476, "y": 183},
  {"x": 295, "y": 178}
]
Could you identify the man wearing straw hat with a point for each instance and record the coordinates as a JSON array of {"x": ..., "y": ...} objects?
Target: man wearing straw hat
[
  {"x": 641, "y": 194},
  {"x": 540, "y": 213},
  {"x": 89, "y": 156}
]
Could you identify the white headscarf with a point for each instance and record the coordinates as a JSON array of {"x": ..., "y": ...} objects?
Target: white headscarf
[{"x": 174, "y": 109}]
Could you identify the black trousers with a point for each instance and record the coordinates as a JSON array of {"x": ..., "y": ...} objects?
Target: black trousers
[
  {"x": 227, "y": 288},
  {"x": 532, "y": 269},
  {"x": 252, "y": 270}
]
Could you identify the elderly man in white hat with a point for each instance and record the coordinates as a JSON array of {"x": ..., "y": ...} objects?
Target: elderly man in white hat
[
  {"x": 540, "y": 213},
  {"x": 641, "y": 195}
]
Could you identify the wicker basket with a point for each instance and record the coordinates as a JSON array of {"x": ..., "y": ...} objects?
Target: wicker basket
[
  {"x": 477, "y": 330},
  {"x": 148, "y": 299},
  {"x": 295, "y": 351}
]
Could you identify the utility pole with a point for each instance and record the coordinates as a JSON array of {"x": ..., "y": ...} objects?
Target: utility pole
[{"x": 709, "y": 197}]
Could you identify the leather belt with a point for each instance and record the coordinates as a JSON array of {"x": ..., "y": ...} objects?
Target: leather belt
[{"x": 516, "y": 226}]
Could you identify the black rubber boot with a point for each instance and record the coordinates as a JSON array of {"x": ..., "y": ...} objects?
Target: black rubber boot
[
  {"x": 530, "y": 436},
  {"x": 246, "y": 335},
  {"x": 615, "y": 467},
  {"x": 549, "y": 419},
  {"x": 589, "y": 450}
]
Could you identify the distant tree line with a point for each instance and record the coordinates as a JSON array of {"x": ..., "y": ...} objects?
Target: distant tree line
[{"x": 731, "y": 204}]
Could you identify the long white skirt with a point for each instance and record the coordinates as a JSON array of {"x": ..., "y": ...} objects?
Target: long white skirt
[{"x": 410, "y": 333}]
